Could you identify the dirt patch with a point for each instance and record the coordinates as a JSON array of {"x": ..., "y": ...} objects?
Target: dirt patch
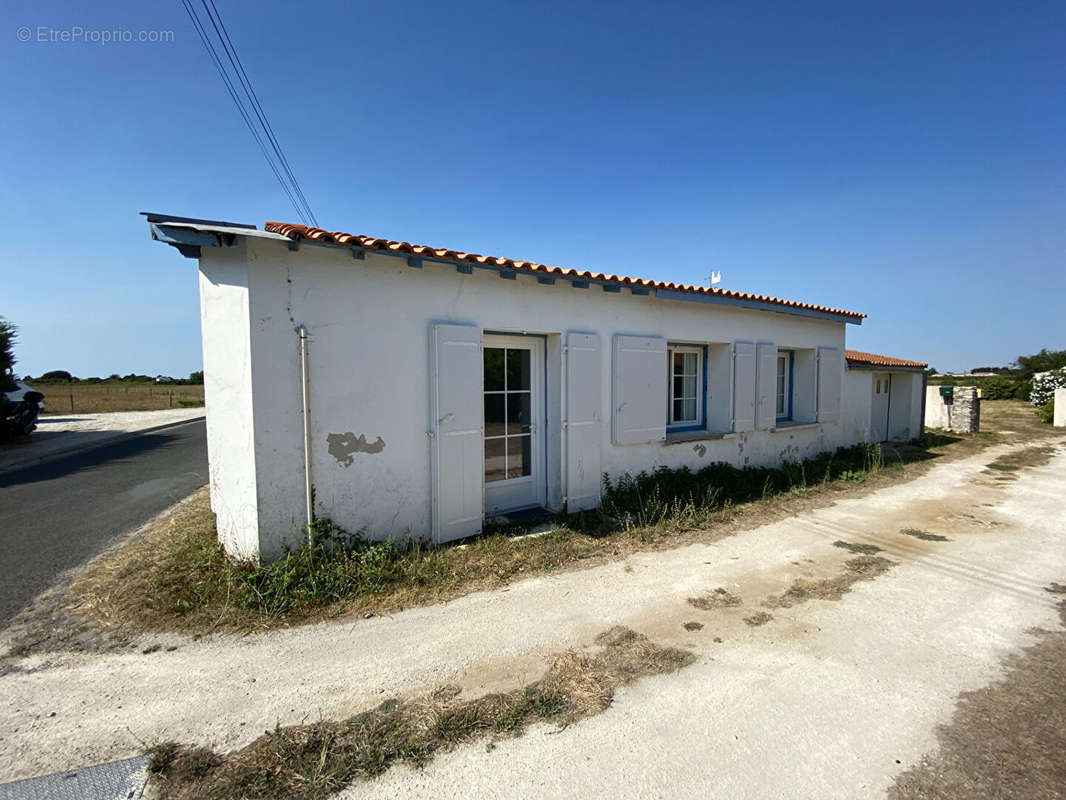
[
  {"x": 719, "y": 598},
  {"x": 1006, "y": 740},
  {"x": 693, "y": 626},
  {"x": 758, "y": 618},
  {"x": 1021, "y": 459},
  {"x": 311, "y": 761},
  {"x": 925, "y": 536},
  {"x": 860, "y": 568},
  {"x": 1014, "y": 419},
  {"x": 862, "y": 549}
]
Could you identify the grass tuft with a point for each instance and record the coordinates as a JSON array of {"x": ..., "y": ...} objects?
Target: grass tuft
[
  {"x": 860, "y": 568},
  {"x": 719, "y": 598},
  {"x": 853, "y": 547},
  {"x": 311, "y": 761},
  {"x": 925, "y": 536}
]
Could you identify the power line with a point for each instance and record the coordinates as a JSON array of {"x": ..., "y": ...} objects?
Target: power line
[
  {"x": 236, "y": 101},
  {"x": 290, "y": 186},
  {"x": 235, "y": 61}
]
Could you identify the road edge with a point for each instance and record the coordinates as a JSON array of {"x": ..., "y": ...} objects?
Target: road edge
[{"x": 119, "y": 436}]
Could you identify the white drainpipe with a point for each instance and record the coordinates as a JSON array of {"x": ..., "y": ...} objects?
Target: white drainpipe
[{"x": 305, "y": 385}]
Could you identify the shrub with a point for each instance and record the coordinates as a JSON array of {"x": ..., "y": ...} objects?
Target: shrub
[
  {"x": 1045, "y": 384},
  {"x": 680, "y": 497},
  {"x": 8, "y": 335},
  {"x": 1046, "y": 412},
  {"x": 999, "y": 388}
]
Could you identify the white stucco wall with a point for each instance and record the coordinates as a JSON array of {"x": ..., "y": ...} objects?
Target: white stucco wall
[
  {"x": 855, "y": 405},
  {"x": 369, "y": 323},
  {"x": 224, "y": 319},
  {"x": 904, "y": 409}
]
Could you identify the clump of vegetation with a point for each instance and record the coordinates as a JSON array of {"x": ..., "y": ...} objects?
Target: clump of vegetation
[
  {"x": 681, "y": 497},
  {"x": 925, "y": 536},
  {"x": 860, "y": 568},
  {"x": 312, "y": 761},
  {"x": 852, "y": 547},
  {"x": 1046, "y": 412},
  {"x": 1016, "y": 460},
  {"x": 758, "y": 618},
  {"x": 719, "y": 598}
]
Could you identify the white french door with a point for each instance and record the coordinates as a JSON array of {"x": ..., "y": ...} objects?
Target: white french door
[{"x": 514, "y": 422}]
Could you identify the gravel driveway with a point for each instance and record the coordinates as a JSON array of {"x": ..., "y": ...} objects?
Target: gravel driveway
[{"x": 827, "y": 699}]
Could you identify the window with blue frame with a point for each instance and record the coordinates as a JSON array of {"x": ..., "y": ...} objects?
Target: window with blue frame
[
  {"x": 686, "y": 390},
  {"x": 784, "y": 385}
]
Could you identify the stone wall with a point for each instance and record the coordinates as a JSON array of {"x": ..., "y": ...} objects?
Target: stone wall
[{"x": 960, "y": 415}]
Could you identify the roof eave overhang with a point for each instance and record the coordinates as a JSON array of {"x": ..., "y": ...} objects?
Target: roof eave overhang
[
  {"x": 757, "y": 305},
  {"x": 188, "y": 235},
  {"x": 885, "y": 367}
]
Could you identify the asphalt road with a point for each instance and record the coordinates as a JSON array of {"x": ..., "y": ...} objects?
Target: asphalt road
[{"x": 60, "y": 513}]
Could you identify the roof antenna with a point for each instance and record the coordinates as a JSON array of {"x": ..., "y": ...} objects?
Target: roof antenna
[{"x": 715, "y": 277}]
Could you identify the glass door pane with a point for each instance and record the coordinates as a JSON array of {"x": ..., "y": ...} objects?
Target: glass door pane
[{"x": 508, "y": 413}]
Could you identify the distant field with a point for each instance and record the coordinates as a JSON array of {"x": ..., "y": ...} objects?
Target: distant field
[{"x": 85, "y": 398}]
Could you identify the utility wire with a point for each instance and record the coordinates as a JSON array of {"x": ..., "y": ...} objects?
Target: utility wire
[
  {"x": 246, "y": 82},
  {"x": 290, "y": 187}
]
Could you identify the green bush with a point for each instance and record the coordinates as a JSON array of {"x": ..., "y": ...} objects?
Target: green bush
[
  {"x": 1046, "y": 412},
  {"x": 999, "y": 388}
]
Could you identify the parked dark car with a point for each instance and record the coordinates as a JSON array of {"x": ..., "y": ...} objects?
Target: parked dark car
[{"x": 19, "y": 410}]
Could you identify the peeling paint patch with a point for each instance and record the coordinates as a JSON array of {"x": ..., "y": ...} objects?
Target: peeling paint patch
[{"x": 343, "y": 446}]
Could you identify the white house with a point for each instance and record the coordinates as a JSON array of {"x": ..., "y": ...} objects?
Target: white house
[{"x": 403, "y": 390}]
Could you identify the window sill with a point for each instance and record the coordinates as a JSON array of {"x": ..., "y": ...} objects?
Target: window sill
[
  {"x": 792, "y": 426},
  {"x": 677, "y": 437}
]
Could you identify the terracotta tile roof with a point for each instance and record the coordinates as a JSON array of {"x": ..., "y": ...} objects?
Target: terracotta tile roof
[
  {"x": 294, "y": 231},
  {"x": 860, "y": 358}
]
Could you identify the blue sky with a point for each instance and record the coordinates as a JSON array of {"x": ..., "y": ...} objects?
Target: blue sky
[{"x": 904, "y": 159}]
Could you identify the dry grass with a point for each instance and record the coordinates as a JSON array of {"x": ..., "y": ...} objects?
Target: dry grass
[
  {"x": 92, "y": 398},
  {"x": 311, "y": 761},
  {"x": 860, "y": 549},
  {"x": 173, "y": 577},
  {"x": 1014, "y": 419},
  {"x": 925, "y": 536},
  {"x": 860, "y": 568},
  {"x": 1006, "y": 740},
  {"x": 758, "y": 618},
  {"x": 1036, "y": 456},
  {"x": 719, "y": 598}
]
